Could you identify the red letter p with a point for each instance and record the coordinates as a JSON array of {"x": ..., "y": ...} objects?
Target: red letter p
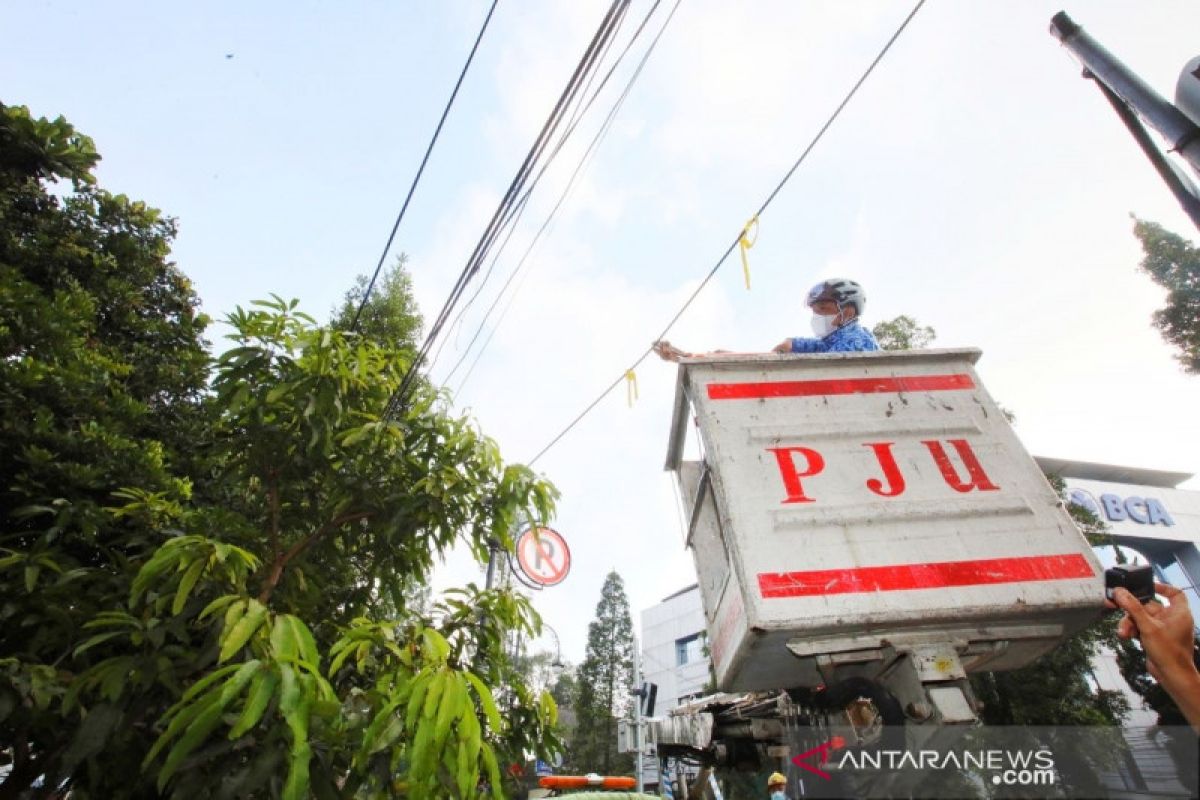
[{"x": 786, "y": 459}]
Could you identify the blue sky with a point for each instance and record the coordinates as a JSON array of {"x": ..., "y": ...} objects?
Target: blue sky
[{"x": 976, "y": 183}]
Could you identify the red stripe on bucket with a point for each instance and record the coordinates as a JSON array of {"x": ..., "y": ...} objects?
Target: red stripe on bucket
[
  {"x": 909, "y": 383},
  {"x": 924, "y": 576}
]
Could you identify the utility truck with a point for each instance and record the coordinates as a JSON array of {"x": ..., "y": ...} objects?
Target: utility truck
[{"x": 867, "y": 531}]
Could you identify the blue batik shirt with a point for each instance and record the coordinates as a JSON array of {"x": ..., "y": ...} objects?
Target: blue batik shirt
[{"x": 849, "y": 338}]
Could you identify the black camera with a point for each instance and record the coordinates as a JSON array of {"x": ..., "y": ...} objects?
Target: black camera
[{"x": 1137, "y": 580}]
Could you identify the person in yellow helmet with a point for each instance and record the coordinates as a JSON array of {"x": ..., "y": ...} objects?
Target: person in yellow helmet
[{"x": 777, "y": 786}]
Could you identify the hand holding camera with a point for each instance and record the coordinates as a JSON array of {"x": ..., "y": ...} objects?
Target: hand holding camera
[{"x": 1167, "y": 634}]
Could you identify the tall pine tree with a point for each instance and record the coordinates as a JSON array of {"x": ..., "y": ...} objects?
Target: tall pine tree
[
  {"x": 605, "y": 678},
  {"x": 1174, "y": 264}
]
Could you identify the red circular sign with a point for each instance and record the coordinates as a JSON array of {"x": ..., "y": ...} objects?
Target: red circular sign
[{"x": 543, "y": 556}]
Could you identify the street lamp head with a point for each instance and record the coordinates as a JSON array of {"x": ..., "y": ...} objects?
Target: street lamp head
[{"x": 557, "y": 663}]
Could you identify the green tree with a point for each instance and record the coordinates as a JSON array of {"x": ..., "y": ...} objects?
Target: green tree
[
  {"x": 538, "y": 670},
  {"x": 903, "y": 333},
  {"x": 203, "y": 590},
  {"x": 390, "y": 315},
  {"x": 604, "y": 681},
  {"x": 565, "y": 688},
  {"x": 102, "y": 370},
  {"x": 324, "y": 507},
  {"x": 1174, "y": 264}
]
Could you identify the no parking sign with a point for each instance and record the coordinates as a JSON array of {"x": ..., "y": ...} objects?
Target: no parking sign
[{"x": 543, "y": 556}]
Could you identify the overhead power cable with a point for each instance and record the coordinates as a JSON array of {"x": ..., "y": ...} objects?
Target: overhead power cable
[
  {"x": 580, "y": 111},
  {"x": 605, "y": 127},
  {"x": 509, "y": 202},
  {"x": 421, "y": 169},
  {"x": 728, "y": 250}
]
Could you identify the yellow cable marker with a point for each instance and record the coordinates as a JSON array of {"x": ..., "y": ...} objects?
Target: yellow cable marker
[
  {"x": 745, "y": 243},
  {"x": 631, "y": 390}
]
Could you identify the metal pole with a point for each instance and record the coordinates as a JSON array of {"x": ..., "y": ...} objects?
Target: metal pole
[
  {"x": 1183, "y": 189},
  {"x": 1165, "y": 118},
  {"x": 637, "y": 712},
  {"x": 493, "y": 549}
]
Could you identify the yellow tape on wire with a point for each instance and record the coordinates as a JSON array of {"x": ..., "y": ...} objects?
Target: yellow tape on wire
[
  {"x": 631, "y": 390},
  {"x": 745, "y": 242}
]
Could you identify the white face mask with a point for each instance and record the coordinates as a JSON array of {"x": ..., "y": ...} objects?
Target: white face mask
[{"x": 824, "y": 324}]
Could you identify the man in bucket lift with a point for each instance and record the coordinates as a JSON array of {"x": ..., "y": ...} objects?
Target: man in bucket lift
[{"x": 837, "y": 305}]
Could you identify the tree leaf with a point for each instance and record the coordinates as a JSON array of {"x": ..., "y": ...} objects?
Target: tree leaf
[
  {"x": 436, "y": 646},
  {"x": 233, "y": 614},
  {"x": 186, "y": 583},
  {"x": 217, "y": 605},
  {"x": 291, "y": 639},
  {"x": 294, "y": 703},
  {"x": 101, "y": 720},
  {"x": 466, "y": 772},
  {"x": 450, "y": 707},
  {"x": 419, "y": 755},
  {"x": 485, "y": 700},
  {"x": 262, "y": 690},
  {"x": 489, "y": 760},
  {"x": 296, "y": 786},
  {"x": 197, "y": 714},
  {"x": 433, "y": 694},
  {"x": 256, "y": 614},
  {"x": 162, "y": 559},
  {"x": 548, "y": 708},
  {"x": 95, "y": 640},
  {"x": 340, "y": 656},
  {"x": 376, "y": 730},
  {"x": 204, "y": 724},
  {"x": 416, "y": 700},
  {"x": 470, "y": 733},
  {"x": 202, "y": 684},
  {"x": 31, "y": 575}
]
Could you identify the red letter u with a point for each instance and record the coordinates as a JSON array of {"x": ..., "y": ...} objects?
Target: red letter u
[
  {"x": 785, "y": 458},
  {"x": 979, "y": 478}
]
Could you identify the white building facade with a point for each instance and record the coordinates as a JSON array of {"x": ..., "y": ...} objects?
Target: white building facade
[{"x": 674, "y": 648}]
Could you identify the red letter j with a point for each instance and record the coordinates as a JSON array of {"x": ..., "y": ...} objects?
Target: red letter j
[{"x": 891, "y": 471}]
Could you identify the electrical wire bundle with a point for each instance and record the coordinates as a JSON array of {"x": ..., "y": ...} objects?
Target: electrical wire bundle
[
  {"x": 601, "y": 133},
  {"x": 739, "y": 237},
  {"x": 511, "y": 204}
]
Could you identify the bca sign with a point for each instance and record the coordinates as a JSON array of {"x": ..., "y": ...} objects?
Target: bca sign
[
  {"x": 543, "y": 556},
  {"x": 1114, "y": 508}
]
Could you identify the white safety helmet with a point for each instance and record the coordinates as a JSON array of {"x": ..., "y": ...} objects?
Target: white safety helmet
[{"x": 841, "y": 291}]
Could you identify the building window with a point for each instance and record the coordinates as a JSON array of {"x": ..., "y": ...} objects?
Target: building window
[
  {"x": 689, "y": 649},
  {"x": 1173, "y": 572}
]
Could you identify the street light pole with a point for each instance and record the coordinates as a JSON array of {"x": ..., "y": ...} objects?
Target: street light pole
[
  {"x": 637, "y": 712},
  {"x": 1134, "y": 101}
]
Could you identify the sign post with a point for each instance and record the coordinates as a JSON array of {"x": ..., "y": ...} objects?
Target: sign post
[{"x": 543, "y": 556}]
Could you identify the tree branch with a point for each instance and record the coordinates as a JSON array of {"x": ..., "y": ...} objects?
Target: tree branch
[
  {"x": 282, "y": 559},
  {"x": 273, "y": 496}
]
